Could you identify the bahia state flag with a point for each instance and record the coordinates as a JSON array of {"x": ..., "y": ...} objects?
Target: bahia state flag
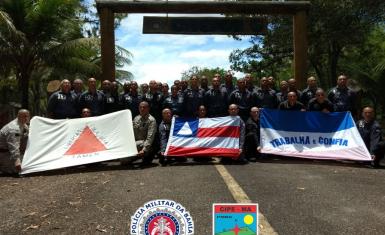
[
  {"x": 204, "y": 137},
  {"x": 312, "y": 135}
]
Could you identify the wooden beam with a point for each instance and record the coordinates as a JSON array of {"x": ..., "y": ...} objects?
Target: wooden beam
[
  {"x": 204, "y": 7},
  {"x": 107, "y": 43},
  {"x": 300, "y": 48}
]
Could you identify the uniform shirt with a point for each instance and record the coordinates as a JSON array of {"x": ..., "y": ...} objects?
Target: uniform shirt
[
  {"x": 92, "y": 101},
  {"x": 174, "y": 103},
  {"x": 215, "y": 101},
  {"x": 154, "y": 100},
  {"x": 11, "y": 136},
  {"x": 281, "y": 97},
  {"x": 243, "y": 100},
  {"x": 192, "y": 99},
  {"x": 307, "y": 95},
  {"x": 164, "y": 133},
  {"x": 62, "y": 105},
  {"x": 228, "y": 89},
  {"x": 370, "y": 133},
  {"x": 343, "y": 99},
  {"x": 314, "y": 105},
  {"x": 265, "y": 98},
  {"x": 131, "y": 102},
  {"x": 111, "y": 103},
  {"x": 296, "y": 107},
  {"x": 145, "y": 130},
  {"x": 253, "y": 130}
]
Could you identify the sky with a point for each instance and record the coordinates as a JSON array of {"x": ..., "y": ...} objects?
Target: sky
[{"x": 164, "y": 57}]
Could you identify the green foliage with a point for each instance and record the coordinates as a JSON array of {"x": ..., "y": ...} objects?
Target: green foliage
[
  {"x": 198, "y": 71},
  {"x": 334, "y": 28},
  {"x": 42, "y": 40}
]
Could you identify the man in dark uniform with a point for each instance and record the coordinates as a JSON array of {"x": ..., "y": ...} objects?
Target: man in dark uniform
[
  {"x": 174, "y": 102},
  {"x": 291, "y": 104},
  {"x": 242, "y": 98},
  {"x": 343, "y": 98},
  {"x": 215, "y": 100},
  {"x": 144, "y": 89},
  {"x": 62, "y": 104},
  {"x": 130, "y": 98},
  {"x": 204, "y": 84},
  {"x": 192, "y": 98},
  {"x": 320, "y": 103},
  {"x": 265, "y": 97},
  {"x": 370, "y": 131},
  {"x": 309, "y": 92},
  {"x": 272, "y": 83},
  {"x": 77, "y": 86},
  {"x": 228, "y": 86},
  {"x": 154, "y": 99},
  {"x": 292, "y": 83},
  {"x": 183, "y": 86},
  {"x": 92, "y": 99},
  {"x": 284, "y": 89},
  {"x": 252, "y": 144},
  {"x": 249, "y": 80},
  {"x": 111, "y": 103}
]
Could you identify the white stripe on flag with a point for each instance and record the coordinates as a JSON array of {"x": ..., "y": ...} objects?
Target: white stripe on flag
[
  {"x": 218, "y": 122},
  {"x": 207, "y": 142}
]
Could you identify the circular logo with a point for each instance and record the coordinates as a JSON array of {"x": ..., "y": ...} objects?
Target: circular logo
[{"x": 162, "y": 217}]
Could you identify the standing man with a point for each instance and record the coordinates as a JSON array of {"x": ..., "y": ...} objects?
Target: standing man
[
  {"x": 13, "y": 143},
  {"x": 265, "y": 97},
  {"x": 62, "y": 103},
  {"x": 342, "y": 97},
  {"x": 320, "y": 103},
  {"x": 77, "y": 86},
  {"x": 291, "y": 104},
  {"x": 293, "y": 87},
  {"x": 215, "y": 100},
  {"x": 249, "y": 80},
  {"x": 92, "y": 99},
  {"x": 228, "y": 86},
  {"x": 192, "y": 98},
  {"x": 110, "y": 102},
  {"x": 242, "y": 98},
  {"x": 252, "y": 143},
  {"x": 370, "y": 131},
  {"x": 130, "y": 99},
  {"x": 174, "y": 102},
  {"x": 144, "y": 130},
  {"x": 204, "y": 84},
  {"x": 154, "y": 99},
  {"x": 272, "y": 83},
  {"x": 284, "y": 89},
  {"x": 309, "y": 92}
]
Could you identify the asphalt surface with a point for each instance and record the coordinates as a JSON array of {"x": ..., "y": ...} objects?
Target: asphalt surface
[{"x": 296, "y": 196}]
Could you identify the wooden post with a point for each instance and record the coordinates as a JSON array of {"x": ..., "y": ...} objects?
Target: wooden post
[
  {"x": 300, "y": 48},
  {"x": 107, "y": 35}
]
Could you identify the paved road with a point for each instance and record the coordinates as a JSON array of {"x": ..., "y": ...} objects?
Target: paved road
[{"x": 296, "y": 196}]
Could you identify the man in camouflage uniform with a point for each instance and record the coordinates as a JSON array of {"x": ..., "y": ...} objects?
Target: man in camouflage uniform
[
  {"x": 13, "y": 142},
  {"x": 144, "y": 131}
]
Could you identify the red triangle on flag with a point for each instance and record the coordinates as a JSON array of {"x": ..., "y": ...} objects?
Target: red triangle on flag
[{"x": 87, "y": 142}]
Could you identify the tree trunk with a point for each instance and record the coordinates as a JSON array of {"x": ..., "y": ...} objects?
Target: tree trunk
[
  {"x": 24, "y": 88},
  {"x": 334, "y": 54}
]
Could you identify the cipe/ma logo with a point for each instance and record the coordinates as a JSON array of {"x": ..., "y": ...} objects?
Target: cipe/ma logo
[{"x": 162, "y": 217}]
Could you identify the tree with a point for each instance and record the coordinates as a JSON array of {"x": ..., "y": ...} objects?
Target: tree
[
  {"x": 42, "y": 39},
  {"x": 208, "y": 72},
  {"x": 334, "y": 27}
]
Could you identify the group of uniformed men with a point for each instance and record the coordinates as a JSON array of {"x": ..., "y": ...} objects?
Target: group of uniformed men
[{"x": 153, "y": 106}]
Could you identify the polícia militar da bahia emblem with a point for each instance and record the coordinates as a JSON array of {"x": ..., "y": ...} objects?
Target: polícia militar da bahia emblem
[{"x": 162, "y": 216}]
